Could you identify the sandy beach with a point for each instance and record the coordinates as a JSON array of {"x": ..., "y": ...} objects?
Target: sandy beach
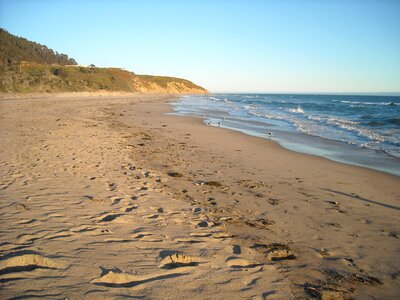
[{"x": 110, "y": 197}]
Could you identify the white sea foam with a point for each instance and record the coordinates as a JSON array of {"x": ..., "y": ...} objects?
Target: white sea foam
[
  {"x": 351, "y": 126},
  {"x": 365, "y": 103},
  {"x": 249, "y": 106},
  {"x": 298, "y": 110},
  {"x": 324, "y": 126},
  {"x": 320, "y": 119},
  {"x": 214, "y": 98},
  {"x": 341, "y": 121}
]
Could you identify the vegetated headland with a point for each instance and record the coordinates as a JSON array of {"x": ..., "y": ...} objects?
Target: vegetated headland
[{"x": 29, "y": 67}]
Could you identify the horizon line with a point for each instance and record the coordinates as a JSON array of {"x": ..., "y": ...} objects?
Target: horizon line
[{"x": 387, "y": 94}]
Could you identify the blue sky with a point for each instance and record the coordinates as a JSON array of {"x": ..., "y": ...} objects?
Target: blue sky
[{"x": 226, "y": 46}]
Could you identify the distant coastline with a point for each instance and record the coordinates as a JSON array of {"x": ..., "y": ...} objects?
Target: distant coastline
[{"x": 381, "y": 94}]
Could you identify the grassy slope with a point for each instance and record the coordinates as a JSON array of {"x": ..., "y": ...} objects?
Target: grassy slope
[
  {"x": 46, "y": 78},
  {"x": 27, "y": 67}
]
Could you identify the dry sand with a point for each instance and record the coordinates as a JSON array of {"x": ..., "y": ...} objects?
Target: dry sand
[{"x": 108, "y": 197}]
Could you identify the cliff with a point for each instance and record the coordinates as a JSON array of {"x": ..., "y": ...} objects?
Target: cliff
[
  {"x": 29, "y": 67},
  {"x": 33, "y": 78}
]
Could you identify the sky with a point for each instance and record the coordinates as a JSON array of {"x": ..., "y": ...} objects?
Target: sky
[{"x": 348, "y": 46}]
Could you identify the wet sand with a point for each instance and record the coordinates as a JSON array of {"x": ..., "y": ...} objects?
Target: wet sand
[{"x": 109, "y": 197}]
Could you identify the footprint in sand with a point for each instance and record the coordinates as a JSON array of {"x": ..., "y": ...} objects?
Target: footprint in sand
[
  {"x": 122, "y": 279},
  {"x": 17, "y": 262},
  {"x": 109, "y": 217},
  {"x": 21, "y": 206},
  {"x": 188, "y": 240},
  {"x": 28, "y": 238},
  {"x": 200, "y": 234},
  {"x": 236, "y": 249},
  {"x": 223, "y": 235},
  {"x": 177, "y": 260},
  {"x": 112, "y": 186},
  {"x": 26, "y": 221},
  {"x": 151, "y": 216},
  {"x": 236, "y": 262},
  {"x": 116, "y": 240},
  {"x": 56, "y": 215},
  {"x": 149, "y": 239},
  {"x": 158, "y": 209},
  {"x": 205, "y": 224},
  {"x": 275, "y": 251},
  {"x": 146, "y": 237},
  {"x": 82, "y": 228},
  {"x": 130, "y": 208},
  {"x": 251, "y": 280},
  {"x": 115, "y": 200},
  {"x": 62, "y": 234},
  {"x": 140, "y": 235}
]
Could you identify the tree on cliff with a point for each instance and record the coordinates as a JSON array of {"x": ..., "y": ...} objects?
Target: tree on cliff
[{"x": 14, "y": 49}]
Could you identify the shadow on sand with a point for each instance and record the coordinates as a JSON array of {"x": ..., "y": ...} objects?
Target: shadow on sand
[{"x": 357, "y": 197}]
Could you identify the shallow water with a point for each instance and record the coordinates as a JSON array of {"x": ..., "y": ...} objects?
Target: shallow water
[{"x": 359, "y": 130}]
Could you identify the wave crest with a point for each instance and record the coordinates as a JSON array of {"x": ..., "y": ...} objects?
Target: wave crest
[{"x": 297, "y": 110}]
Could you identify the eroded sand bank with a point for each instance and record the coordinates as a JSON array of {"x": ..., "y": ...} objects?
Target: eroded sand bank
[{"x": 107, "y": 197}]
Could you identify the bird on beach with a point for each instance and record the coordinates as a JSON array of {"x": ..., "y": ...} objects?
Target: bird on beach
[{"x": 270, "y": 133}]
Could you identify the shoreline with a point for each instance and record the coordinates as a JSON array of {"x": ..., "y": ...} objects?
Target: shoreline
[
  {"x": 345, "y": 184},
  {"x": 170, "y": 111},
  {"x": 320, "y": 156},
  {"x": 219, "y": 113},
  {"x": 106, "y": 192}
]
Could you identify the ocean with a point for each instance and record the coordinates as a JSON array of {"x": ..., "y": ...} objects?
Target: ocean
[{"x": 357, "y": 130}]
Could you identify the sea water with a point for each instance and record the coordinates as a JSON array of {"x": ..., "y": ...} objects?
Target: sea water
[{"x": 358, "y": 130}]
